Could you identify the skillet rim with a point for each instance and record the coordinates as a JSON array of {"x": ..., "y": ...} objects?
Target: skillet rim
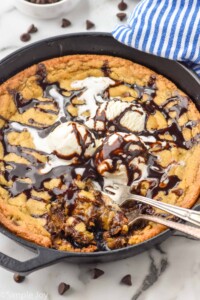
[{"x": 51, "y": 42}]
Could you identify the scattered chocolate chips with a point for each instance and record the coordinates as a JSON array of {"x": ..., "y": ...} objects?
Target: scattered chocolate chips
[
  {"x": 63, "y": 287},
  {"x": 122, "y": 5},
  {"x": 152, "y": 81},
  {"x": 121, "y": 16},
  {"x": 43, "y": 1},
  {"x": 25, "y": 37},
  {"x": 97, "y": 273},
  {"x": 126, "y": 280},
  {"x": 18, "y": 278},
  {"x": 32, "y": 29},
  {"x": 41, "y": 74},
  {"x": 65, "y": 23},
  {"x": 89, "y": 24},
  {"x": 178, "y": 192}
]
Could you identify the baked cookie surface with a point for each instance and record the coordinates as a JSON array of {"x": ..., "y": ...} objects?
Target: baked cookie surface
[{"x": 71, "y": 126}]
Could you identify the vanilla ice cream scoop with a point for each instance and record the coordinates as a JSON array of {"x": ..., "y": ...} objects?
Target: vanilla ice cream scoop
[
  {"x": 93, "y": 88},
  {"x": 69, "y": 143},
  {"x": 121, "y": 159},
  {"x": 120, "y": 114}
]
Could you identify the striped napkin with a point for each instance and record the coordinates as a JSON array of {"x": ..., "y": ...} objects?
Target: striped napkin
[{"x": 167, "y": 28}]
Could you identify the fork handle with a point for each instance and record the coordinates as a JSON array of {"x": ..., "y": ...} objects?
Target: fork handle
[
  {"x": 190, "y": 230},
  {"x": 188, "y": 215}
]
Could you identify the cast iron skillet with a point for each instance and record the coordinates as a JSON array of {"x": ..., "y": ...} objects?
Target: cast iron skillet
[{"x": 96, "y": 43}]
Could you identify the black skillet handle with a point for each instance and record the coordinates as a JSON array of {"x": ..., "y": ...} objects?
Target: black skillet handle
[{"x": 44, "y": 258}]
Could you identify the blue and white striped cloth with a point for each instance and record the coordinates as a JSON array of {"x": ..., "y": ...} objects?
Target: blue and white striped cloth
[{"x": 167, "y": 28}]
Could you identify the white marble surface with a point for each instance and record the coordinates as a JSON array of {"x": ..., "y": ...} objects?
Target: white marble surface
[{"x": 170, "y": 272}]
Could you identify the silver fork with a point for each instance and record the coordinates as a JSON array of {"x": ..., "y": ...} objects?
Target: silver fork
[{"x": 120, "y": 194}]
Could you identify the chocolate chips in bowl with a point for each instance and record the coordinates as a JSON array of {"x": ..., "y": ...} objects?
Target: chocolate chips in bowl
[{"x": 45, "y": 9}]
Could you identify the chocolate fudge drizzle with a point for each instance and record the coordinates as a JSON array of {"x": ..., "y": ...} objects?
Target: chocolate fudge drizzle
[{"x": 17, "y": 173}]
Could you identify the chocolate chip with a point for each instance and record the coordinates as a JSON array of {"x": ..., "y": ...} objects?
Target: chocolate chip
[
  {"x": 97, "y": 273},
  {"x": 25, "y": 37},
  {"x": 126, "y": 94},
  {"x": 121, "y": 16},
  {"x": 31, "y": 121},
  {"x": 32, "y": 29},
  {"x": 178, "y": 192},
  {"x": 122, "y": 5},
  {"x": 41, "y": 73},
  {"x": 126, "y": 280},
  {"x": 152, "y": 81},
  {"x": 89, "y": 24},
  {"x": 63, "y": 287},
  {"x": 18, "y": 278},
  {"x": 65, "y": 23}
]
